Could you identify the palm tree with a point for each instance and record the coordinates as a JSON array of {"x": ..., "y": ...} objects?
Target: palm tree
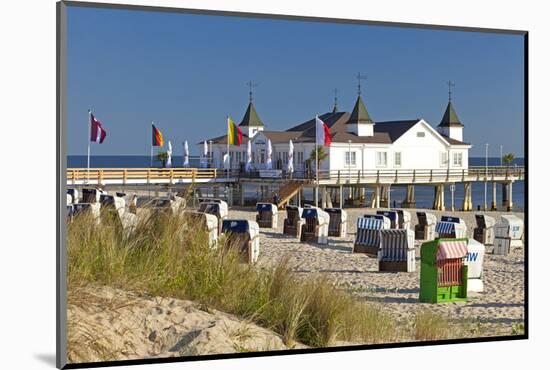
[
  {"x": 508, "y": 159},
  {"x": 321, "y": 155},
  {"x": 162, "y": 157}
]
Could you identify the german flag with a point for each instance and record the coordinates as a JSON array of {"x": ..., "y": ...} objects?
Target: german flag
[
  {"x": 234, "y": 133},
  {"x": 157, "y": 137}
]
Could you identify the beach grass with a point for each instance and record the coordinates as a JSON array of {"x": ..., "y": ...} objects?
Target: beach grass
[
  {"x": 432, "y": 326},
  {"x": 168, "y": 256}
]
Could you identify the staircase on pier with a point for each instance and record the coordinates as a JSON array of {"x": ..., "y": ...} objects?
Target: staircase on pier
[{"x": 287, "y": 191}]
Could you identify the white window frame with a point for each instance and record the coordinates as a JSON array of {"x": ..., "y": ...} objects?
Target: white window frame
[
  {"x": 443, "y": 159},
  {"x": 379, "y": 155},
  {"x": 350, "y": 158},
  {"x": 457, "y": 159},
  {"x": 395, "y": 156}
]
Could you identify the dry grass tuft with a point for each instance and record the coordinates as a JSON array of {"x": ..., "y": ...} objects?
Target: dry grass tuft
[{"x": 168, "y": 256}]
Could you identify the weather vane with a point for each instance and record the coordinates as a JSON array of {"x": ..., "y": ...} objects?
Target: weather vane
[
  {"x": 451, "y": 85},
  {"x": 359, "y": 78},
  {"x": 251, "y": 85},
  {"x": 335, "y": 91}
]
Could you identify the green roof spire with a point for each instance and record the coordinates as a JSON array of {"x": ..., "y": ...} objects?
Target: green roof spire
[
  {"x": 251, "y": 117},
  {"x": 359, "y": 113},
  {"x": 450, "y": 118}
]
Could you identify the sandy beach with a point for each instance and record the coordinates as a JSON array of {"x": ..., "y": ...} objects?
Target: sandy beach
[
  {"x": 107, "y": 323},
  {"x": 499, "y": 310}
]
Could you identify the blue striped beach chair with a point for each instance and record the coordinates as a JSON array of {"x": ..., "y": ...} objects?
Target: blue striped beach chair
[
  {"x": 446, "y": 229},
  {"x": 396, "y": 251},
  {"x": 367, "y": 239}
]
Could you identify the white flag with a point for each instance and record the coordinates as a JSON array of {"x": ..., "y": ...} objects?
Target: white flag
[
  {"x": 204, "y": 156},
  {"x": 290, "y": 165},
  {"x": 185, "y": 154},
  {"x": 169, "y": 152},
  {"x": 226, "y": 163},
  {"x": 268, "y": 162},
  {"x": 249, "y": 157}
]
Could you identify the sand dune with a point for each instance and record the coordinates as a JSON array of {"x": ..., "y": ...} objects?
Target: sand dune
[{"x": 112, "y": 324}]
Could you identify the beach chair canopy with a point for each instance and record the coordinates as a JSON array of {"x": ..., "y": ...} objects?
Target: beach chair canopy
[
  {"x": 294, "y": 209},
  {"x": 91, "y": 195},
  {"x": 370, "y": 223},
  {"x": 456, "y": 220},
  {"x": 210, "y": 221},
  {"x": 512, "y": 220},
  {"x": 484, "y": 221},
  {"x": 241, "y": 226},
  {"x": 405, "y": 215},
  {"x": 451, "y": 249},
  {"x": 343, "y": 214},
  {"x": 445, "y": 228},
  {"x": 73, "y": 193},
  {"x": 392, "y": 215},
  {"x": 321, "y": 216},
  {"x": 425, "y": 218},
  {"x": 510, "y": 226},
  {"x": 266, "y": 207}
]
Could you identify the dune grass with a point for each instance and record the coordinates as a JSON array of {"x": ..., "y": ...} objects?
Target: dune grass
[
  {"x": 432, "y": 326},
  {"x": 169, "y": 256}
]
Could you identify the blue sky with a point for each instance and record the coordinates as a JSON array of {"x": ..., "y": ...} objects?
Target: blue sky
[{"x": 187, "y": 72}]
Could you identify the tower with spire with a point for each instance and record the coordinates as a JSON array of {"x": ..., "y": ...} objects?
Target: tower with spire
[
  {"x": 450, "y": 125},
  {"x": 251, "y": 122},
  {"x": 359, "y": 122}
]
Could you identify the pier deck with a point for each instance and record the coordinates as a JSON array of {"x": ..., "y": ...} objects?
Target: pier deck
[{"x": 169, "y": 176}]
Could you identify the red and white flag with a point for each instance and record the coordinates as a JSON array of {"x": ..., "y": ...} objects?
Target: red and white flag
[
  {"x": 322, "y": 133},
  {"x": 97, "y": 132}
]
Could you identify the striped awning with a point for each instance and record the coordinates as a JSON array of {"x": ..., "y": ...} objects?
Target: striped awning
[
  {"x": 369, "y": 223},
  {"x": 445, "y": 228},
  {"x": 452, "y": 249}
]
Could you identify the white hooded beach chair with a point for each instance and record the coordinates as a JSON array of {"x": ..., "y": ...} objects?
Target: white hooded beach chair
[
  {"x": 315, "y": 228},
  {"x": 338, "y": 222},
  {"x": 292, "y": 225},
  {"x": 367, "y": 237},
  {"x": 115, "y": 206},
  {"x": 484, "y": 232},
  {"x": 267, "y": 216},
  {"x": 207, "y": 222},
  {"x": 474, "y": 261},
  {"x": 243, "y": 235},
  {"x": 73, "y": 193},
  {"x": 425, "y": 229},
  {"x": 393, "y": 216},
  {"x": 508, "y": 234},
  {"x": 396, "y": 251},
  {"x": 404, "y": 219},
  {"x": 217, "y": 209}
]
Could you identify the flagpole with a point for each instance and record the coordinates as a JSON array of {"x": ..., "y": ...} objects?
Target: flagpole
[
  {"x": 228, "y": 159},
  {"x": 316, "y": 167},
  {"x": 88, "y": 139},
  {"x": 151, "y": 141}
]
